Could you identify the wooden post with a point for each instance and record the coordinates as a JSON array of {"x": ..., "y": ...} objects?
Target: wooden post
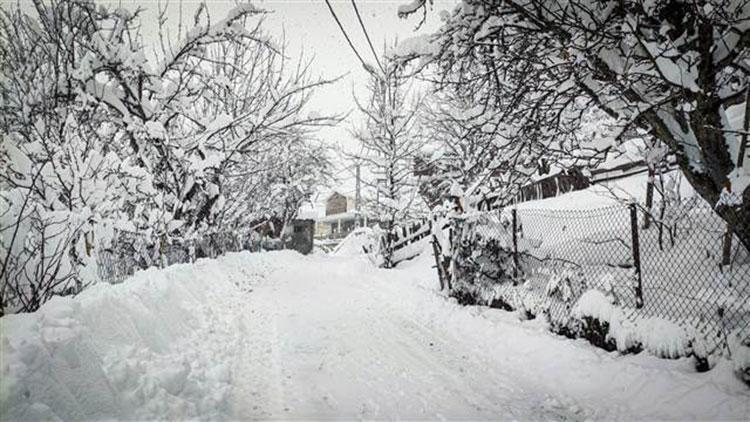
[
  {"x": 438, "y": 262},
  {"x": 515, "y": 244},
  {"x": 162, "y": 248},
  {"x": 636, "y": 255},
  {"x": 449, "y": 261}
]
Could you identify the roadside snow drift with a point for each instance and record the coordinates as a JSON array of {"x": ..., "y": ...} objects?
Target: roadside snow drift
[
  {"x": 285, "y": 336},
  {"x": 357, "y": 242},
  {"x": 159, "y": 345}
]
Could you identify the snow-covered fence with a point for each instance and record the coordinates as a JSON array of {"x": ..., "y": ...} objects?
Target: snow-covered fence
[
  {"x": 129, "y": 252},
  {"x": 684, "y": 270},
  {"x": 405, "y": 240}
]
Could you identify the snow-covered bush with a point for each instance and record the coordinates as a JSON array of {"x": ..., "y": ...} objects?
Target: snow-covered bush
[
  {"x": 564, "y": 286},
  {"x": 661, "y": 337},
  {"x": 599, "y": 319},
  {"x": 739, "y": 347},
  {"x": 481, "y": 260},
  {"x": 211, "y": 131},
  {"x": 39, "y": 253}
]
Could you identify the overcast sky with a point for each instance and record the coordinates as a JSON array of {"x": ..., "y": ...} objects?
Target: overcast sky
[{"x": 309, "y": 27}]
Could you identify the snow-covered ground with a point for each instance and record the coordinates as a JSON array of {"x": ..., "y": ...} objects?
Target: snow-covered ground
[
  {"x": 280, "y": 335},
  {"x": 631, "y": 188}
]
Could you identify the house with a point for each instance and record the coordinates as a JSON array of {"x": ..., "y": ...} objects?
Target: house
[{"x": 341, "y": 217}]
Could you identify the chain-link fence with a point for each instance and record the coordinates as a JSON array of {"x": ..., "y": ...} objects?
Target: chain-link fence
[
  {"x": 679, "y": 263},
  {"x": 129, "y": 252}
]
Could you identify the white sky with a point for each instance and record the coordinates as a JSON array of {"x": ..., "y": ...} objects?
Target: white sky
[{"x": 309, "y": 27}]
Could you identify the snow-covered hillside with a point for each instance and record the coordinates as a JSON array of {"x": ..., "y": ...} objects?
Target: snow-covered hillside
[{"x": 280, "y": 335}]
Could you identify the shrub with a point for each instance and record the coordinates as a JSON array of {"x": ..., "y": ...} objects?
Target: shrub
[{"x": 739, "y": 347}]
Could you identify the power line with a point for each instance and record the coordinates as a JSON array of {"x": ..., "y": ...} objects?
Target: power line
[
  {"x": 346, "y": 36},
  {"x": 367, "y": 36}
]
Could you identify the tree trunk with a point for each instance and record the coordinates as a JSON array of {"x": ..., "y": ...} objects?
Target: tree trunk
[{"x": 710, "y": 178}]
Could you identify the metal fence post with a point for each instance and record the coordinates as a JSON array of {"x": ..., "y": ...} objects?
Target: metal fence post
[
  {"x": 726, "y": 250},
  {"x": 636, "y": 255},
  {"x": 515, "y": 245}
]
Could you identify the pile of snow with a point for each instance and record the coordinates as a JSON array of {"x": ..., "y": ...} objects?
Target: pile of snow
[
  {"x": 357, "y": 242},
  {"x": 161, "y": 343}
]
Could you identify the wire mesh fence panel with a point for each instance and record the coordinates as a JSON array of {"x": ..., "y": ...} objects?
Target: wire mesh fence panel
[
  {"x": 695, "y": 272},
  {"x": 567, "y": 252},
  {"x": 127, "y": 253},
  {"x": 682, "y": 266},
  {"x": 130, "y": 252}
]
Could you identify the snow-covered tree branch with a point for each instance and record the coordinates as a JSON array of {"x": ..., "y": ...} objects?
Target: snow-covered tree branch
[
  {"x": 672, "y": 68},
  {"x": 97, "y": 135}
]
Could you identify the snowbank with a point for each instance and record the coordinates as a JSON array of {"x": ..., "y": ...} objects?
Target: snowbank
[
  {"x": 356, "y": 242},
  {"x": 157, "y": 344}
]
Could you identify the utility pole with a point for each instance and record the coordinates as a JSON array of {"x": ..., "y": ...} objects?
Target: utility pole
[
  {"x": 357, "y": 197},
  {"x": 357, "y": 194}
]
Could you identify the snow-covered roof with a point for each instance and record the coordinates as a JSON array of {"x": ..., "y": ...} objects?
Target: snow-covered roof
[{"x": 343, "y": 216}]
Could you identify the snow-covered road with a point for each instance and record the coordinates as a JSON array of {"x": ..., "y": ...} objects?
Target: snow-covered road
[
  {"x": 343, "y": 340},
  {"x": 279, "y": 335},
  {"x": 342, "y": 344}
]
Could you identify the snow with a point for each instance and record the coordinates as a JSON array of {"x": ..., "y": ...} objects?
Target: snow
[
  {"x": 631, "y": 188},
  {"x": 411, "y": 250},
  {"x": 659, "y": 336},
  {"x": 407, "y": 9},
  {"x": 422, "y": 47},
  {"x": 156, "y": 130},
  {"x": 355, "y": 243},
  {"x": 285, "y": 336},
  {"x": 663, "y": 338},
  {"x": 137, "y": 350},
  {"x": 595, "y": 304}
]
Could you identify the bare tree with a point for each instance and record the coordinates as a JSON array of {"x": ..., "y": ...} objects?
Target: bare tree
[{"x": 390, "y": 141}]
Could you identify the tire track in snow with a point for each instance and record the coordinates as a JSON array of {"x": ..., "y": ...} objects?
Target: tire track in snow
[{"x": 256, "y": 393}]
